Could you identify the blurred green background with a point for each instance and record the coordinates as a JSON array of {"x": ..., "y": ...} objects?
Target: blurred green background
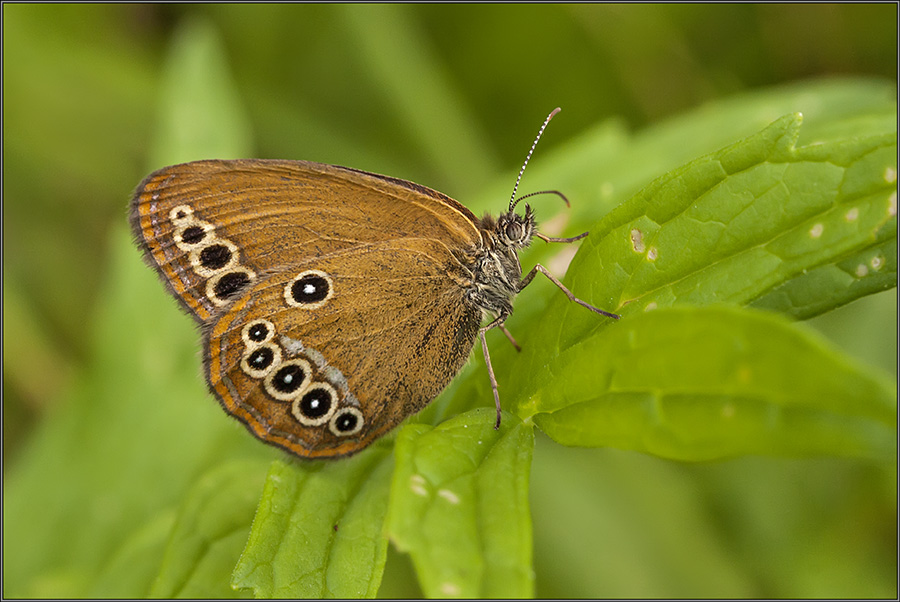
[{"x": 450, "y": 97}]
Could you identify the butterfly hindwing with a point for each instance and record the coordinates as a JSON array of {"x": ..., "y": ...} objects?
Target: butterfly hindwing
[{"x": 325, "y": 357}]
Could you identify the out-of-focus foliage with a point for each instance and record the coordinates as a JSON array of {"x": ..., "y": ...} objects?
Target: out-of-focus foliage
[{"x": 447, "y": 96}]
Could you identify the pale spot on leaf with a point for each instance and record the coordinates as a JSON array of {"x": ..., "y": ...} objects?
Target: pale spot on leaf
[
  {"x": 652, "y": 254},
  {"x": 890, "y": 175},
  {"x": 861, "y": 270},
  {"x": 851, "y": 215},
  {"x": 816, "y": 231},
  {"x": 417, "y": 485},
  {"x": 637, "y": 241},
  {"x": 650, "y": 306},
  {"x": 449, "y": 496},
  {"x": 892, "y": 203},
  {"x": 606, "y": 189},
  {"x": 876, "y": 262}
]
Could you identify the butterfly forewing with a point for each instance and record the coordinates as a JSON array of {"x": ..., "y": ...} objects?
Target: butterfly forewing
[
  {"x": 212, "y": 228},
  {"x": 355, "y": 335}
]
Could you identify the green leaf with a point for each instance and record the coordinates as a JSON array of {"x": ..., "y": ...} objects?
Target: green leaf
[
  {"x": 200, "y": 113},
  {"x": 705, "y": 383},
  {"x": 868, "y": 271},
  {"x": 735, "y": 226},
  {"x": 210, "y": 532},
  {"x": 134, "y": 566},
  {"x": 459, "y": 505},
  {"x": 319, "y": 529},
  {"x": 732, "y": 226},
  {"x": 759, "y": 220},
  {"x": 434, "y": 120}
]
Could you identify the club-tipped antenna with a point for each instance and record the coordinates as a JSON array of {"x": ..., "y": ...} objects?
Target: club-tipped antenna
[{"x": 512, "y": 199}]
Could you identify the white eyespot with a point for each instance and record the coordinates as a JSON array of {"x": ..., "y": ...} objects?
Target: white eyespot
[
  {"x": 346, "y": 421},
  {"x": 309, "y": 289},
  {"x": 222, "y": 288},
  {"x": 257, "y": 332},
  {"x": 217, "y": 255},
  {"x": 258, "y": 361},
  {"x": 316, "y": 405},
  {"x": 181, "y": 213},
  {"x": 288, "y": 379}
]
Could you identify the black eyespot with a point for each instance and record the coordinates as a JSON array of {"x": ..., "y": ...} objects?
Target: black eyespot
[
  {"x": 230, "y": 284},
  {"x": 316, "y": 403},
  {"x": 309, "y": 288},
  {"x": 258, "y": 332},
  {"x": 215, "y": 257},
  {"x": 193, "y": 234},
  {"x": 288, "y": 379},
  {"x": 260, "y": 359},
  {"x": 180, "y": 213},
  {"x": 347, "y": 421}
]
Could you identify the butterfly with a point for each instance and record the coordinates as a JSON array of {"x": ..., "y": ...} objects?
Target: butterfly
[{"x": 333, "y": 302}]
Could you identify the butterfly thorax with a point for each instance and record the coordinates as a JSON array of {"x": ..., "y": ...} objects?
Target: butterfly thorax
[{"x": 496, "y": 269}]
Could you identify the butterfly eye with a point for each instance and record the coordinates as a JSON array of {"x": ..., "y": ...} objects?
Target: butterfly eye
[{"x": 514, "y": 231}]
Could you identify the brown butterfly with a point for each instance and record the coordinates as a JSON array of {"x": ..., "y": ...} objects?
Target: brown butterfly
[{"x": 334, "y": 302}]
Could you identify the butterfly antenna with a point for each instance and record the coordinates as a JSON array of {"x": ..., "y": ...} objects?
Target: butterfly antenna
[{"x": 512, "y": 199}]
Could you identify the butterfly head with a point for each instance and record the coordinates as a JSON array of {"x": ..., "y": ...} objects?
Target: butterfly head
[{"x": 515, "y": 231}]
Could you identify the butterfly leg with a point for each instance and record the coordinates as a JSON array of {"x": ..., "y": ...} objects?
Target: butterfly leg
[
  {"x": 539, "y": 268},
  {"x": 497, "y": 323},
  {"x": 551, "y": 239},
  {"x": 509, "y": 336}
]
